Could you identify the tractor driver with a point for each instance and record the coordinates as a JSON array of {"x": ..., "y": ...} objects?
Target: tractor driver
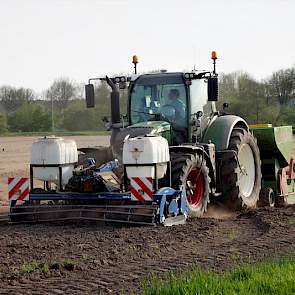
[
  {"x": 179, "y": 107},
  {"x": 179, "y": 130}
]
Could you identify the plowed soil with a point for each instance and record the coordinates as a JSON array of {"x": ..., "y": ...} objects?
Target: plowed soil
[{"x": 91, "y": 258}]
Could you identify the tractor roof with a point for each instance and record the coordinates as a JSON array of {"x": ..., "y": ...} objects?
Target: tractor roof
[{"x": 159, "y": 78}]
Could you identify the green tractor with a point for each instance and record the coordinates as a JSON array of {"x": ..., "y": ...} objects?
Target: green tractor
[
  {"x": 213, "y": 155},
  {"x": 177, "y": 153}
]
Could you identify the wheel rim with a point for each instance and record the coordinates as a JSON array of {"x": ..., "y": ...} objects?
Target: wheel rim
[
  {"x": 195, "y": 187},
  {"x": 271, "y": 199},
  {"x": 246, "y": 170}
]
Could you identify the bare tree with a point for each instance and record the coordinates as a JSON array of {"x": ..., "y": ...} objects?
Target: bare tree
[
  {"x": 62, "y": 91},
  {"x": 12, "y": 98},
  {"x": 282, "y": 85}
]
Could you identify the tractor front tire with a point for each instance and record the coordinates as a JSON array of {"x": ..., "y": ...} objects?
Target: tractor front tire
[
  {"x": 191, "y": 173},
  {"x": 241, "y": 171}
]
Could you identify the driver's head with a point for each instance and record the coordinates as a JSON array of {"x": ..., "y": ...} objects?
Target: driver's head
[{"x": 173, "y": 94}]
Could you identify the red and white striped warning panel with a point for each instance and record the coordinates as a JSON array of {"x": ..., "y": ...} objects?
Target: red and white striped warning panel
[
  {"x": 18, "y": 188},
  {"x": 141, "y": 189}
]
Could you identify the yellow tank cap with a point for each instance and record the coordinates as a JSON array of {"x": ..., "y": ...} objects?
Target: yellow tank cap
[{"x": 254, "y": 126}]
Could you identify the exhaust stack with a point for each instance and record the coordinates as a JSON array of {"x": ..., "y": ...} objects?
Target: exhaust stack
[{"x": 115, "y": 102}]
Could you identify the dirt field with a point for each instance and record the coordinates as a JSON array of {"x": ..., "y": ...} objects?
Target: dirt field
[
  {"x": 15, "y": 156},
  {"x": 92, "y": 259}
]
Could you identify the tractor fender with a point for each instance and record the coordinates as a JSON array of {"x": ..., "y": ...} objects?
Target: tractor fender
[
  {"x": 199, "y": 150},
  {"x": 186, "y": 148},
  {"x": 219, "y": 130}
]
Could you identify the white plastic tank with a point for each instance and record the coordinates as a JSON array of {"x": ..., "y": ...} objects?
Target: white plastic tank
[
  {"x": 57, "y": 151},
  {"x": 146, "y": 150}
]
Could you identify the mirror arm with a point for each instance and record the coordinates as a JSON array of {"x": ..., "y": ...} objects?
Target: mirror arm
[
  {"x": 111, "y": 84},
  {"x": 93, "y": 79}
]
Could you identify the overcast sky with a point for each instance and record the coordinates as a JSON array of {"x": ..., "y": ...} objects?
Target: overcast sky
[{"x": 45, "y": 39}]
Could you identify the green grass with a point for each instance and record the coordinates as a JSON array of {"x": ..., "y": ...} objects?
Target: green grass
[
  {"x": 264, "y": 278},
  {"x": 45, "y": 267},
  {"x": 57, "y": 133},
  {"x": 33, "y": 266}
]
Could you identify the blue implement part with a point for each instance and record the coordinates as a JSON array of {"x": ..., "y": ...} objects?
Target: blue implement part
[
  {"x": 90, "y": 162},
  {"x": 110, "y": 166},
  {"x": 167, "y": 191},
  {"x": 72, "y": 196},
  {"x": 172, "y": 203},
  {"x": 162, "y": 209},
  {"x": 183, "y": 206},
  {"x": 173, "y": 207}
]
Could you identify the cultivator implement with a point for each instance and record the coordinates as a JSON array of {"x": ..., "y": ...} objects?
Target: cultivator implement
[
  {"x": 89, "y": 192},
  {"x": 132, "y": 214},
  {"x": 167, "y": 207}
]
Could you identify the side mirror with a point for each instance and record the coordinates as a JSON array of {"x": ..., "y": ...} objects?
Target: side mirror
[
  {"x": 89, "y": 93},
  {"x": 212, "y": 89}
]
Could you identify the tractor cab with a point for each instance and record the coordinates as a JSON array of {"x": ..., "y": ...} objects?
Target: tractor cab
[
  {"x": 160, "y": 97},
  {"x": 180, "y": 99}
]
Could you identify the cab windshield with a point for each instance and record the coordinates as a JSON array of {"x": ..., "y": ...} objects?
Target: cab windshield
[{"x": 159, "y": 98}]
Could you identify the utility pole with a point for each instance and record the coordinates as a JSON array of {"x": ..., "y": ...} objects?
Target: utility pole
[{"x": 52, "y": 117}]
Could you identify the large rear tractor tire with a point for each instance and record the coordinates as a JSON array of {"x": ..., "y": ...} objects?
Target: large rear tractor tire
[
  {"x": 241, "y": 171},
  {"x": 191, "y": 172}
]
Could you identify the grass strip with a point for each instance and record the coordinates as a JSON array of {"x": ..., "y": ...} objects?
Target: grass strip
[{"x": 276, "y": 277}]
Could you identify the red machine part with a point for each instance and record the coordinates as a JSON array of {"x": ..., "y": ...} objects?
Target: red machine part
[
  {"x": 286, "y": 174},
  {"x": 18, "y": 188}
]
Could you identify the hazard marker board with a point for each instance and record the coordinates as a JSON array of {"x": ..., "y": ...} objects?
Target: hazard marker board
[
  {"x": 18, "y": 188},
  {"x": 141, "y": 189}
]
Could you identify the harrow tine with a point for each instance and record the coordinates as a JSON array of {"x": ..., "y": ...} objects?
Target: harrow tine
[
  {"x": 86, "y": 219},
  {"x": 121, "y": 214},
  {"x": 79, "y": 211}
]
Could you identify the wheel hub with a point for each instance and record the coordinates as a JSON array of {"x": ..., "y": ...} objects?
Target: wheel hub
[
  {"x": 246, "y": 170},
  {"x": 195, "y": 187}
]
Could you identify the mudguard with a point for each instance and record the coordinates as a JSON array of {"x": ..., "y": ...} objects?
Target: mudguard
[
  {"x": 219, "y": 130},
  {"x": 200, "y": 150}
]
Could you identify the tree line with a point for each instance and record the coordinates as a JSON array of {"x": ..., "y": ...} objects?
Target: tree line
[
  {"x": 62, "y": 106},
  {"x": 269, "y": 101}
]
